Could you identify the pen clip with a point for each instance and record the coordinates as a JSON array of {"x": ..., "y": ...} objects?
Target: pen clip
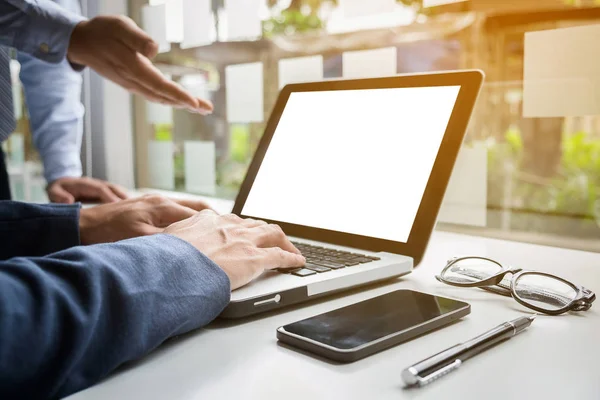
[{"x": 422, "y": 381}]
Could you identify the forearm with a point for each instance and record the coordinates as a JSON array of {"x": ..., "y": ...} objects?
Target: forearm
[
  {"x": 37, "y": 229},
  {"x": 68, "y": 319},
  {"x": 53, "y": 97},
  {"x": 40, "y": 28}
]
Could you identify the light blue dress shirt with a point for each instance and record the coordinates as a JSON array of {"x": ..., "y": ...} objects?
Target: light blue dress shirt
[
  {"x": 52, "y": 87},
  {"x": 37, "y": 27}
]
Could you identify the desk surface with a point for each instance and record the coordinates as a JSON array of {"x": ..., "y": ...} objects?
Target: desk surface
[{"x": 556, "y": 358}]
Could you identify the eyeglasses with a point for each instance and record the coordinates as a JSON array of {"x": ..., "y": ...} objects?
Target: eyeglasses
[{"x": 539, "y": 291}]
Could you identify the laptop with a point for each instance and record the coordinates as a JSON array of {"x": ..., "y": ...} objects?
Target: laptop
[{"x": 354, "y": 172}]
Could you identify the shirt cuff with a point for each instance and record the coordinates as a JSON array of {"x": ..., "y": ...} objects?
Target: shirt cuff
[
  {"x": 49, "y": 32},
  {"x": 55, "y": 168},
  {"x": 34, "y": 230}
]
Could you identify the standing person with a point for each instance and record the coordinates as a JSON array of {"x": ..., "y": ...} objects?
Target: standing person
[{"x": 53, "y": 97}]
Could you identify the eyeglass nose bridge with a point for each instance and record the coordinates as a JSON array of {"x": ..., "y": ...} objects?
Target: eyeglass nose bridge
[{"x": 510, "y": 270}]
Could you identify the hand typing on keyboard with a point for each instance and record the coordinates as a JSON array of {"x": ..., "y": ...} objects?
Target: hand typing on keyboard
[
  {"x": 321, "y": 259},
  {"x": 243, "y": 248}
]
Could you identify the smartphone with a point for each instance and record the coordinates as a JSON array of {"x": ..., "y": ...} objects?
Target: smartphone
[{"x": 361, "y": 329}]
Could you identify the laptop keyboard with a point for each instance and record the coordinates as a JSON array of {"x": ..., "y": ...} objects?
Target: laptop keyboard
[{"x": 321, "y": 259}]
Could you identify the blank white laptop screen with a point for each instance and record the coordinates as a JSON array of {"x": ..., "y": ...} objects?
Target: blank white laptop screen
[{"x": 354, "y": 161}]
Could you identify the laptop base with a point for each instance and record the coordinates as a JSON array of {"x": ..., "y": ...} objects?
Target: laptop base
[{"x": 241, "y": 308}]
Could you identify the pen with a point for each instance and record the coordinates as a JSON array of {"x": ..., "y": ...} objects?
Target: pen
[{"x": 440, "y": 364}]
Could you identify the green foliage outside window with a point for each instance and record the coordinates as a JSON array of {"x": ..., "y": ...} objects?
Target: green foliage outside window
[
  {"x": 581, "y": 174},
  {"x": 240, "y": 143},
  {"x": 163, "y": 132},
  {"x": 303, "y": 15},
  {"x": 290, "y": 22},
  {"x": 574, "y": 192}
]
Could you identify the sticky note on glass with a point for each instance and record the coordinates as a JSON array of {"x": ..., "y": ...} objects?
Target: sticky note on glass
[
  {"x": 198, "y": 23},
  {"x": 301, "y": 69},
  {"x": 561, "y": 75},
  {"x": 243, "y": 20},
  {"x": 244, "y": 92},
  {"x": 196, "y": 85},
  {"x": 161, "y": 165},
  {"x": 465, "y": 202},
  {"x": 369, "y": 63},
  {"x": 200, "y": 170},
  {"x": 154, "y": 22},
  {"x": 158, "y": 114},
  {"x": 361, "y": 8},
  {"x": 174, "y": 20}
]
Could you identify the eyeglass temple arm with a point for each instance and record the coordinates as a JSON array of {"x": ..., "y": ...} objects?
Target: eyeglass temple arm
[
  {"x": 466, "y": 283},
  {"x": 494, "y": 280},
  {"x": 588, "y": 295},
  {"x": 537, "y": 293}
]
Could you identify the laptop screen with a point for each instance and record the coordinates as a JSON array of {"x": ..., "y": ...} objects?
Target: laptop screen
[{"x": 353, "y": 161}]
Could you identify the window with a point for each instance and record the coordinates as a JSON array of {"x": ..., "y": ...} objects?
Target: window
[
  {"x": 530, "y": 165},
  {"x": 23, "y": 162}
]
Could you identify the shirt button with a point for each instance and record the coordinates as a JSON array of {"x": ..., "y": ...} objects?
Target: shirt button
[{"x": 44, "y": 48}]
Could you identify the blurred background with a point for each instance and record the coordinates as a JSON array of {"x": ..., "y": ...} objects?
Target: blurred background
[{"x": 529, "y": 169}]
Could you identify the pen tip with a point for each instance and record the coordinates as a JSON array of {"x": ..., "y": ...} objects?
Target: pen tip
[{"x": 532, "y": 317}]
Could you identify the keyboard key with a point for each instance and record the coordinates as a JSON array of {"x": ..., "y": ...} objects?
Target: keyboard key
[
  {"x": 287, "y": 270},
  {"x": 329, "y": 264},
  {"x": 303, "y": 272},
  {"x": 351, "y": 263},
  {"x": 316, "y": 268}
]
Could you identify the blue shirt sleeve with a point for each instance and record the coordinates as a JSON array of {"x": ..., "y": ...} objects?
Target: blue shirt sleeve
[
  {"x": 53, "y": 97},
  {"x": 37, "y": 229},
  {"x": 37, "y": 27},
  {"x": 70, "y": 318}
]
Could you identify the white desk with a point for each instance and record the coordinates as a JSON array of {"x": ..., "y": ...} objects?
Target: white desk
[{"x": 556, "y": 358}]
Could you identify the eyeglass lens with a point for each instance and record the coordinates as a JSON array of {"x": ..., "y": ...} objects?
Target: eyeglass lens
[
  {"x": 471, "y": 270},
  {"x": 544, "y": 291}
]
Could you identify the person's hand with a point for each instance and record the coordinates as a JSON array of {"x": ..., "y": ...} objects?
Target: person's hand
[
  {"x": 243, "y": 248},
  {"x": 140, "y": 216},
  {"x": 70, "y": 189},
  {"x": 116, "y": 48}
]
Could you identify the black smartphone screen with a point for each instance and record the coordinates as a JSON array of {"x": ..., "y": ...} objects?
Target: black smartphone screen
[{"x": 361, "y": 323}]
